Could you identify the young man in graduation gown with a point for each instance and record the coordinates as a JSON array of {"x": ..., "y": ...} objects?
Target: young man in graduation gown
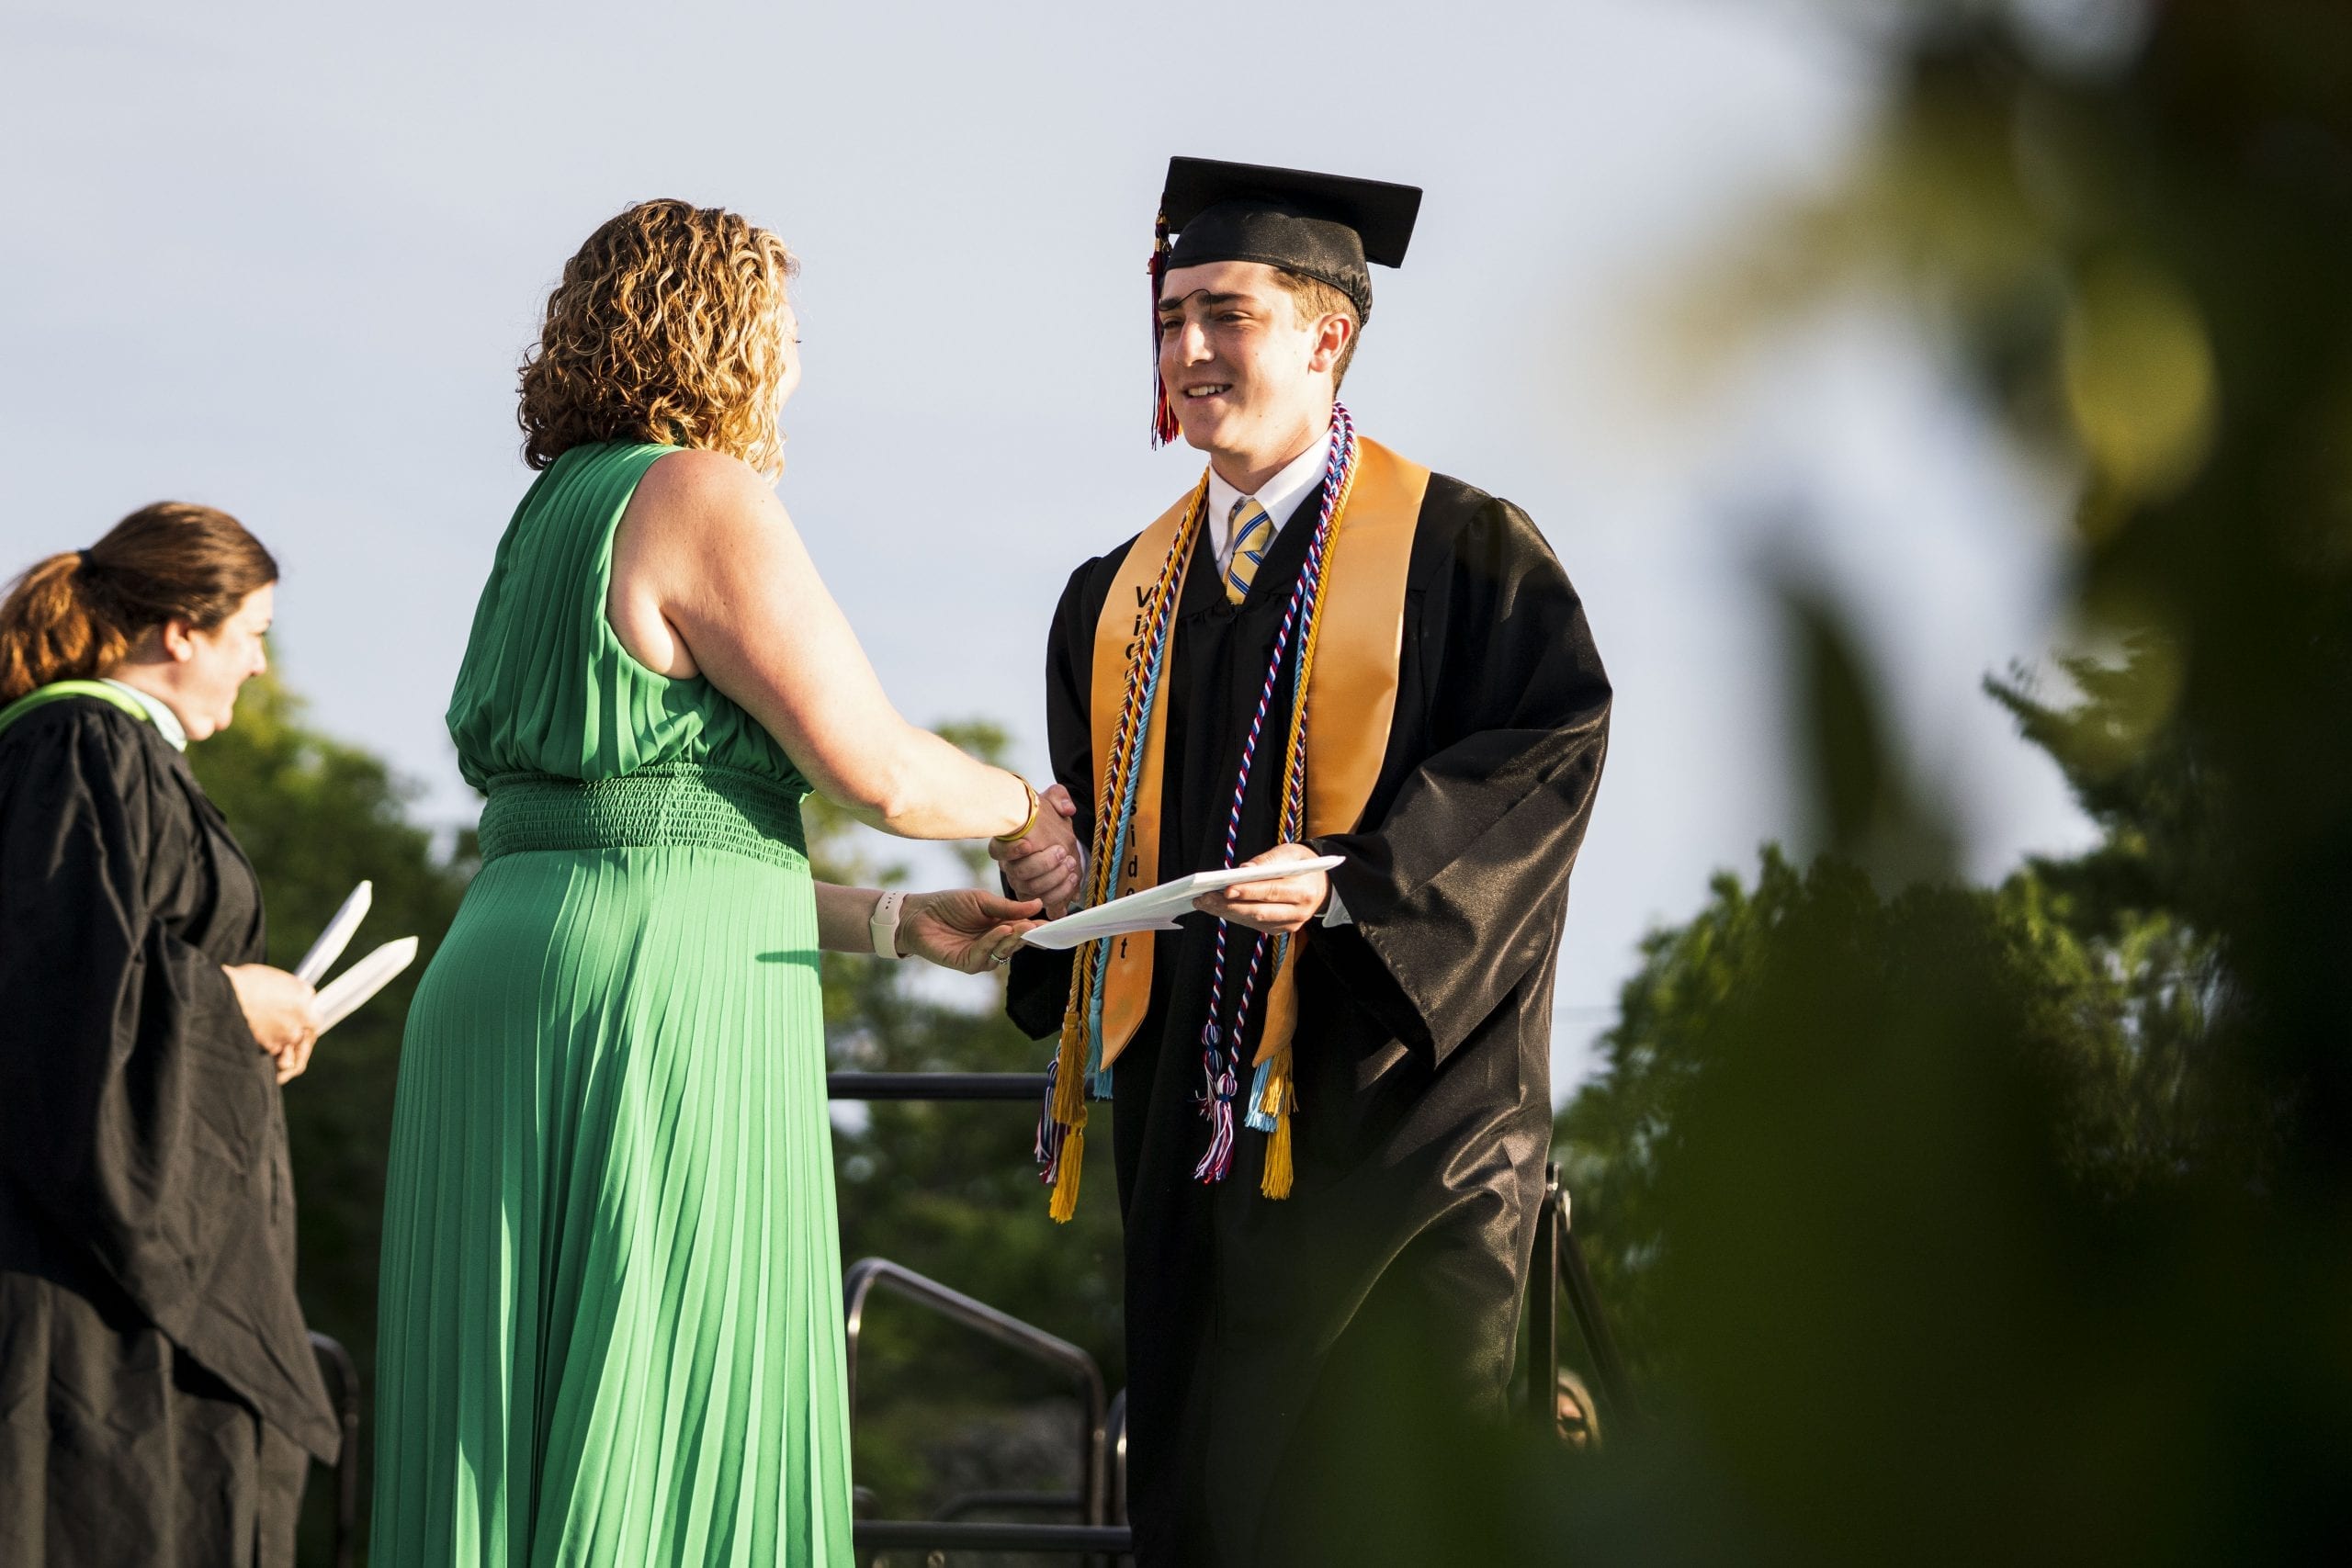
[{"x": 1330, "y": 1103}]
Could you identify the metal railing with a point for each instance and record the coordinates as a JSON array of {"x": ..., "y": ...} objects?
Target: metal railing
[
  {"x": 994, "y": 1501},
  {"x": 936, "y": 1535},
  {"x": 1118, "y": 1456},
  {"x": 341, "y": 1376},
  {"x": 1028, "y": 1087},
  {"x": 868, "y": 1274},
  {"x": 1101, "y": 1497},
  {"x": 1558, "y": 1265}
]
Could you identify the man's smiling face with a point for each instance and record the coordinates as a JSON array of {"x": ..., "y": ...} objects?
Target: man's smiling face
[{"x": 1242, "y": 371}]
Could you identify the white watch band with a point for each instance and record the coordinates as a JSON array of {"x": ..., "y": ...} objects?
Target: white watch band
[{"x": 884, "y": 924}]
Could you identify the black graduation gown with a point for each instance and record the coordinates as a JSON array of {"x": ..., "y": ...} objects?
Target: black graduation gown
[
  {"x": 157, "y": 1386},
  {"x": 1279, "y": 1353}
]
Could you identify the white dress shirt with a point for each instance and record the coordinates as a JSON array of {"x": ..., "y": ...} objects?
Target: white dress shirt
[
  {"x": 1280, "y": 496},
  {"x": 168, "y": 723}
]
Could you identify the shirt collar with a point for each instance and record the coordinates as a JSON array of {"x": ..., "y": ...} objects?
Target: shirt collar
[
  {"x": 1280, "y": 495},
  {"x": 168, "y": 723}
]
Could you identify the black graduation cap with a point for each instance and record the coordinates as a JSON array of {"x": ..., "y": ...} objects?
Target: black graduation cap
[{"x": 1326, "y": 227}]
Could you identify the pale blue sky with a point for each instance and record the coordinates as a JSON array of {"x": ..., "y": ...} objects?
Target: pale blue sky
[{"x": 283, "y": 261}]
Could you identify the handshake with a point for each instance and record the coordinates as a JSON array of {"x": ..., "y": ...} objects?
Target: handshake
[
  {"x": 967, "y": 928},
  {"x": 1044, "y": 864}
]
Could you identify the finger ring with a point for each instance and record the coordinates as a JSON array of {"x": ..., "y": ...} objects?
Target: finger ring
[{"x": 1001, "y": 958}]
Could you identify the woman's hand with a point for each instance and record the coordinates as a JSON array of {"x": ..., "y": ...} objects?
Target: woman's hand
[
  {"x": 1047, "y": 864},
  {"x": 964, "y": 928},
  {"x": 282, "y": 1013}
]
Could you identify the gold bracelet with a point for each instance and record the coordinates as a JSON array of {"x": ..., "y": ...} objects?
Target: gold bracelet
[{"x": 1022, "y": 831}]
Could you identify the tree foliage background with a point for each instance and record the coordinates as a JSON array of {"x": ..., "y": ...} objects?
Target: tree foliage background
[
  {"x": 317, "y": 816},
  {"x": 1956, "y": 1223}
]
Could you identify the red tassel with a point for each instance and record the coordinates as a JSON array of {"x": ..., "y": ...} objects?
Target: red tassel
[{"x": 1163, "y": 414}]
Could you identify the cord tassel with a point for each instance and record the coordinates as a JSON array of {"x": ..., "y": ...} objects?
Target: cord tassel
[
  {"x": 1276, "y": 1183},
  {"x": 1271, "y": 1103},
  {"x": 1070, "y": 1081},
  {"x": 1063, "y": 1205},
  {"x": 1053, "y": 1137},
  {"x": 1163, "y": 413},
  {"x": 1261, "y": 1106},
  {"x": 1219, "y": 1160}
]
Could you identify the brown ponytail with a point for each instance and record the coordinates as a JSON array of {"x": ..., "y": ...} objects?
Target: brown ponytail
[{"x": 75, "y": 615}]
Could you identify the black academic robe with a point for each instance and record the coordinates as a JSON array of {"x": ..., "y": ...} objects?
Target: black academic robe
[
  {"x": 157, "y": 1386},
  {"x": 1290, "y": 1361}
]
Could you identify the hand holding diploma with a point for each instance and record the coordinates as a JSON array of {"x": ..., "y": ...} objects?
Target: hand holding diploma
[
  {"x": 288, "y": 1014},
  {"x": 1282, "y": 903},
  {"x": 282, "y": 1012},
  {"x": 1158, "y": 909}
]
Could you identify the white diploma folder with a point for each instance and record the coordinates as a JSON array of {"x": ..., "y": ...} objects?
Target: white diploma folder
[
  {"x": 336, "y": 937},
  {"x": 1156, "y": 909},
  {"x": 362, "y": 980}
]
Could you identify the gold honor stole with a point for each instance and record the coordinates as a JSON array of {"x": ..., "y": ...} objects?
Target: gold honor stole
[{"x": 1353, "y": 684}]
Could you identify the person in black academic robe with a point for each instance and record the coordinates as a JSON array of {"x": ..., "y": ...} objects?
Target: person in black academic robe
[
  {"x": 159, "y": 1398},
  {"x": 1291, "y": 1363}
]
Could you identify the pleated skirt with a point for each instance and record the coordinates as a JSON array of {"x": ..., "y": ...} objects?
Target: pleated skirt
[{"x": 610, "y": 1326}]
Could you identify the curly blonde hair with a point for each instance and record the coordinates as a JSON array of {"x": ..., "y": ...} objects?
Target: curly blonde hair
[{"x": 664, "y": 327}]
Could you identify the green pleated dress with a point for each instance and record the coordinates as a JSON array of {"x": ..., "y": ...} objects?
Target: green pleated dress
[{"x": 610, "y": 1312}]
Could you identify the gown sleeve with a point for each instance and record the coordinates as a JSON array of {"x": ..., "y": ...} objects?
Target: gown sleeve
[
  {"x": 1457, "y": 894},
  {"x": 1037, "y": 985},
  {"x": 126, "y": 1049}
]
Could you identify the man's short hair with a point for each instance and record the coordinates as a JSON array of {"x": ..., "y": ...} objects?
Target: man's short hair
[{"x": 1313, "y": 299}]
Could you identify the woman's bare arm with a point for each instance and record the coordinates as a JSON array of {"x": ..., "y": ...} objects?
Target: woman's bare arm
[
  {"x": 961, "y": 928},
  {"x": 844, "y": 918},
  {"x": 710, "y": 577}
]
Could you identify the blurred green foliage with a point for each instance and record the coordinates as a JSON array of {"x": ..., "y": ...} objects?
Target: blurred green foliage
[
  {"x": 1954, "y": 1224},
  {"x": 2118, "y": 986},
  {"x": 317, "y": 817}
]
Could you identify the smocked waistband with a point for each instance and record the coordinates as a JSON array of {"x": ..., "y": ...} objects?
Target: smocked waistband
[{"x": 674, "y": 804}]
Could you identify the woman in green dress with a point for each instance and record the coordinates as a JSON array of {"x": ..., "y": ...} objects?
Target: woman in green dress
[{"x": 610, "y": 1319}]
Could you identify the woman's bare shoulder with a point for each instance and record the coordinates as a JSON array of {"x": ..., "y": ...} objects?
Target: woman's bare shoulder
[
  {"x": 696, "y": 504},
  {"x": 692, "y": 480}
]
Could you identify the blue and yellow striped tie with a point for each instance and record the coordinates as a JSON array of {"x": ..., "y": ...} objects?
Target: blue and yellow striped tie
[{"x": 1253, "y": 535}]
